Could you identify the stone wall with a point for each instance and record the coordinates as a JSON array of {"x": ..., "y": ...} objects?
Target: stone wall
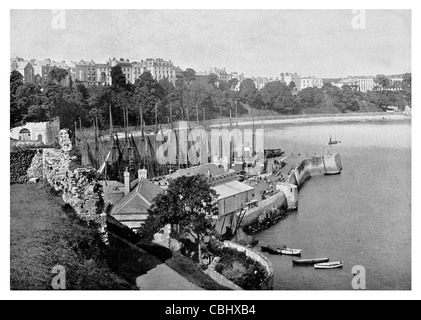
[
  {"x": 277, "y": 202},
  {"x": 316, "y": 165},
  {"x": 36, "y": 170},
  {"x": 259, "y": 258},
  {"x": 60, "y": 168},
  {"x": 79, "y": 186}
]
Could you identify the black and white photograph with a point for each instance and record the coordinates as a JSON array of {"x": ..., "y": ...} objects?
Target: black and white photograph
[{"x": 215, "y": 149}]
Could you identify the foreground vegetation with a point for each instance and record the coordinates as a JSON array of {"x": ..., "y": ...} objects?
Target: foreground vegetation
[
  {"x": 46, "y": 233},
  {"x": 43, "y": 234}
]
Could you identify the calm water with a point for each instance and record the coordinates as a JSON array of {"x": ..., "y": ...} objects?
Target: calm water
[{"x": 362, "y": 217}]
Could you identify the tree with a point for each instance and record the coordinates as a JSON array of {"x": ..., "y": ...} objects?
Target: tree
[
  {"x": 189, "y": 75},
  {"x": 249, "y": 93},
  {"x": 16, "y": 81},
  {"x": 118, "y": 79},
  {"x": 232, "y": 83},
  {"x": 292, "y": 85},
  {"x": 199, "y": 94},
  {"x": 57, "y": 75},
  {"x": 382, "y": 81},
  {"x": 26, "y": 96},
  {"x": 212, "y": 79},
  {"x": 190, "y": 203},
  {"x": 270, "y": 92},
  {"x": 147, "y": 93},
  {"x": 310, "y": 98}
]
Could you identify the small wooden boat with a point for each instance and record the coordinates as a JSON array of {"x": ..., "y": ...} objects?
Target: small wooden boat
[
  {"x": 333, "y": 142},
  {"x": 310, "y": 261},
  {"x": 291, "y": 252},
  {"x": 273, "y": 153},
  {"x": 329, "y": 265},
  {"x": 333, "y": 173},
  {"x": 270, "y": 250}
]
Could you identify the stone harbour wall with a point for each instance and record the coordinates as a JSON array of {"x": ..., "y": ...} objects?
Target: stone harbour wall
[
  {"x": 272, "y": 205},
  {"x": 316, "y": 165}
]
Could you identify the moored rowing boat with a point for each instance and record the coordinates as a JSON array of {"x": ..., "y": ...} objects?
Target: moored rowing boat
[
  {"x": 310, "y": 261},
  {"x": 291, "y": 252},
  {"x": 329, "y": 265}
]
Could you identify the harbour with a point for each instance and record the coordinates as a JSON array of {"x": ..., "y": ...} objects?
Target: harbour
[{"x": 344, "y": 217}]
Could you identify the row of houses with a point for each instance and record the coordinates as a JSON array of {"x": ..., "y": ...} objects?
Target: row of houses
[
  {"x": 92, "y": 73},
  {"x": 222, "y": 76},
  {"x": 299, "y": 82},
  {"x": 360, "y": 83}
]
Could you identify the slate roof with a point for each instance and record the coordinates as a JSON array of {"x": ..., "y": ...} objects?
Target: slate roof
[{"x": 139, "y": 200}]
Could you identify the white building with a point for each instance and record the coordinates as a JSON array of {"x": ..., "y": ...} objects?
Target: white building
[
  {"x": 44, "y": 132},
  {"x": 309, "y": 82},
  {"x": 365, "y": 83},
  {"x": 159, "y": 69}
]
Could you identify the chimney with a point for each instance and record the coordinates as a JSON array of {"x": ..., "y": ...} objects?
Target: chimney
[
  {"x": 126, "y": 182},
  {"x": 142, "y": 174}
]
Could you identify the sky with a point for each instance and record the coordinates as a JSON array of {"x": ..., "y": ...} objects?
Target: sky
[{"x": 321, "y": 43}]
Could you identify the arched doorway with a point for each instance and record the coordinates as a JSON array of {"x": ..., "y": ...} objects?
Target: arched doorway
[{"x": 24, "y": 134}]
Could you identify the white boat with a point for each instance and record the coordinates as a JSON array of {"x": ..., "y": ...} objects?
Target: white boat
[
  {"x": 291, "y": 252},
  {"x": 329, "y": 265}
]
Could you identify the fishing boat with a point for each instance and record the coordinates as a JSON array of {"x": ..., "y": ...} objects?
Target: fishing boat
[
  {"x": 332, "y": 142},
  {"x": 270, "y": 250},
  {"x": 291, "y": 252},
  {"x": 329, "y": 265},
  {"x": 310, "y": 261}
]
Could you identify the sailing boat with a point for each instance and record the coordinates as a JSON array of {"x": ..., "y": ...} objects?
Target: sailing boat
[{"x": 332, "y": 142}]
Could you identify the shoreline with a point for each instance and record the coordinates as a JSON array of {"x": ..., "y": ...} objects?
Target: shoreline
[{"x": 349, "y": 118}]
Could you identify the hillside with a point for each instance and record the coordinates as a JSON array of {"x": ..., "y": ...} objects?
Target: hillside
[{"x": 44, "y": 234}]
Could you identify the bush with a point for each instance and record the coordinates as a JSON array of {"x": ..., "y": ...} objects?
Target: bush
[
  {"x": 20, "y": 161},
  {"x": 240, "y": 269}
]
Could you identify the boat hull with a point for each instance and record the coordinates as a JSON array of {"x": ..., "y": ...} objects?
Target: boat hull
[
  {"x": 291, "y": 252},
  {"x": 333, "y": 173},
  {"x": 270, "y": 250},
  {"x": 304, "y": 262},
  {"x": 329, "y": 265}
]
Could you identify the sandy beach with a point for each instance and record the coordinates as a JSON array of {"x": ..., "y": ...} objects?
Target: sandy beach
[{"x": 305, "y": 119}]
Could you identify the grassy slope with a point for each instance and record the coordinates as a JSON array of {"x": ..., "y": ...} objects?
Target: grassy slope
[{"x": 44, "y": 235}]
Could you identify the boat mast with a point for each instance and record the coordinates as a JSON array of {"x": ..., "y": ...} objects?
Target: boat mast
[
  {"x": 253, "y": 146},
  {"x": 111, "y": 122}
]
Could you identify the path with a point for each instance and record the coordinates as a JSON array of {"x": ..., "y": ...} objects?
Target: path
[
  {"x": 164, "y": 278},
  {"x": 161, "y": 276}
]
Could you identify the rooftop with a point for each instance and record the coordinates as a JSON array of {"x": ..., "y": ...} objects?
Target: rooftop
[{"x": 231, "y": 188}]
